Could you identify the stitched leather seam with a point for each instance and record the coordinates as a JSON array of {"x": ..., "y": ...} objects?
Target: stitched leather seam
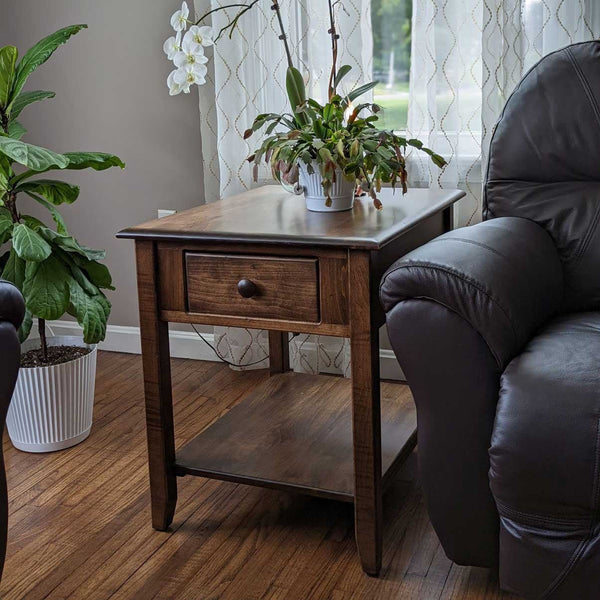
[
  {"x": 465, "y": 280},
  {"x": 530, "y": 518},
  {"x": 485, "y": 203},
  {"x": 585, "y": 541},
  {"x": 480, "y": 244},
  {"x": 585, "y": 84},
  {"x": 560, "y": 578},
  {"x": 455, "y": 312},
  {"x": 596, "y": 490},
  {"x": 587, "y": 238}
]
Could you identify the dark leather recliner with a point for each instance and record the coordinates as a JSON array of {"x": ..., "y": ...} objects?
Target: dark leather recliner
[
  {"x": 12, "y": 310},
  {"x": 497, "y": 328}
]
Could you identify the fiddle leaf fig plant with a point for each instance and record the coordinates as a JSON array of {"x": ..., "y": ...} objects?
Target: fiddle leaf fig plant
[{"x": 55, "y": 273}]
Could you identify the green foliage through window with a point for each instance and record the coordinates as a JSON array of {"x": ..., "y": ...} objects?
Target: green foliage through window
[{"x": 391, "y": 23}]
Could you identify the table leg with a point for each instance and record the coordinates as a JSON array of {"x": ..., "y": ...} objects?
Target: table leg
[
  {"x": 157, "y": 387},
  {"x": 366, "y": 414},
  {"x": 279, "y": 359}
]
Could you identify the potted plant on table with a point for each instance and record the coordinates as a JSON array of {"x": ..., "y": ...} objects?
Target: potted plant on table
[
  {"x": 329, "y": 151},
  {"x": 52, "y": 404}
]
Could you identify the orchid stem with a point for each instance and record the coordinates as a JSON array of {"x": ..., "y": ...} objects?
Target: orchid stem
[
  {"x": 232, "y": 24},
  {"x": 283, "y": 35},
  {"x": 334, "y": 50}
]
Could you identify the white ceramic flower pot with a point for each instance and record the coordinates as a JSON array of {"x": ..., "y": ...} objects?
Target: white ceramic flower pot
[
  {"x": 342, "y": 191},
  {"x": 51, "y": 408}
]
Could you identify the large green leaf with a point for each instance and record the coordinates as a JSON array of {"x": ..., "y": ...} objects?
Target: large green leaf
[
  {"x": 6, "y": 225},
  {"x": 3, "y": 183},
  {"x": 296, "y": 91},
  {"x": 56, "y": 192},
  {"x": 82, "y": 279},
  {"x": 342, "y": 72},
  {"x": 95, "y": 271},
  {"x": 32, "y": 222},
  {"x": 46, "y": 288},
  {"x": 5, "y": 167},
  {"x": 16, "y": 130},
  {"x": 4, "y": 260},
  {"x": 359, "y": 91},
  {"x": 99, "y": 161},
  {"x": 35, "y": 158},
  {"x": 61, "y": 226},
  {"x": 8, "y": 60},
  {"x": 70, "y": 244},
  {"x": 91, "y": 312},
  {"x": 29, "y": 244},
  {"x": 27, "y": 98},
  {"x": 14, "y": 269},
  {"x": 39, "y": 54},
  {"x": 25, "y": 328},
  {"x": 79, "y": 274}
]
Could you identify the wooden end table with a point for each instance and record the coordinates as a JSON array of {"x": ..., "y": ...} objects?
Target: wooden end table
[{"x": 261, "y": 260}]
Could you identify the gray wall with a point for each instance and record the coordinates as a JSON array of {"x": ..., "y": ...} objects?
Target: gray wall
[{"x": 111, "y": 90}]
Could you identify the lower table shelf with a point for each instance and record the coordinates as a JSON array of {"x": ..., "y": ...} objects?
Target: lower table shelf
[{"x": 294, "y": 433}]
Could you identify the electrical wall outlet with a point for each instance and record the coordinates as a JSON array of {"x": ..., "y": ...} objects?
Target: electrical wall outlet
[{"x": 165, "y": 212}]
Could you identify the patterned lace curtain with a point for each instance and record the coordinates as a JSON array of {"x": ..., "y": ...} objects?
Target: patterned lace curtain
[
  {"x": 467, "y": 57},
  {"x": 247, "y": 77}
]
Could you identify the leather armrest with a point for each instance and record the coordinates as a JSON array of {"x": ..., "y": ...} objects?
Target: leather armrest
[
  {"x": 503, "y": 276},
  {"x": 12, "y": 306}
]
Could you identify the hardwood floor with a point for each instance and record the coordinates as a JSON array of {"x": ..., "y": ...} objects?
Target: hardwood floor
[{"x": 80, "y": 519}]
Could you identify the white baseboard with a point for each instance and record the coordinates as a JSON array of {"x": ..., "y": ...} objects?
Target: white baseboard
[{"x": 187, "y": 344}]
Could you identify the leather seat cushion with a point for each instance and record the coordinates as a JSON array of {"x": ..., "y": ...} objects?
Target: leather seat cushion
[{"x": 545, "y": 456}]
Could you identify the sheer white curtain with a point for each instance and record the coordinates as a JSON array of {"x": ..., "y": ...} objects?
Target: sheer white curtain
[
  {"x": 467, "y": 57},
  {"x": 247, "y": 77}
]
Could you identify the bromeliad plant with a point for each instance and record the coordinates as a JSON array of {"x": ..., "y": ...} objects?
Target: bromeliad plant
[
  {"x": 337, "y": 137},
  {"x": 55, "y": 273}
]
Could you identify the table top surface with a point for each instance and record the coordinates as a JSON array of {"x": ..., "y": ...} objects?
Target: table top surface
[{"x": 270, "y": 215}]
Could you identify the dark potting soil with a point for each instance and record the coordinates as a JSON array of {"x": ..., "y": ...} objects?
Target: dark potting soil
[{"x": 57, "y": 355}]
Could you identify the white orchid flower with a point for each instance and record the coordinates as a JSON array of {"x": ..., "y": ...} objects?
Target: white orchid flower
[
  {"x": 190, "y": 54},
  {"x": 184, "y": 78},
  {"x": 175, "y": 87},
  {"x": 198, "y": 37},
  {"x": 173, "y": 45},
  {"x": 180, "y": 17}
]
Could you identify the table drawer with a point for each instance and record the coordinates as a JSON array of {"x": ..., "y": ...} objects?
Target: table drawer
[{"x": 253, "y": 286}]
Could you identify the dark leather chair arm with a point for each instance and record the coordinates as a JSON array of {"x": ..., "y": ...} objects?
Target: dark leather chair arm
[
  {"x": 503, "y": 276},
  {"x": 12, "y": 307},
  {"x": 458, "y": 310}
]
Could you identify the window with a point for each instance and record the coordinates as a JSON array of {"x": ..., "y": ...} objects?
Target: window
[{"x": 391, "y": 21}]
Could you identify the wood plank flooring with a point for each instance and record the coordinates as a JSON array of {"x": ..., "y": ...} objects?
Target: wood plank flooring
[{"x": 80, "y": 519}]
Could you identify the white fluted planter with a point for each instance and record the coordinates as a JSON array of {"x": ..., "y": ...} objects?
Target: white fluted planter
[
  {"x": 342, "y": 191},
  {"x": 51, "y": 408}
]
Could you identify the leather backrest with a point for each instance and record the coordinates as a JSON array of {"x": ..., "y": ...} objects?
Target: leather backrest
[{"x": 544, "y": 163}]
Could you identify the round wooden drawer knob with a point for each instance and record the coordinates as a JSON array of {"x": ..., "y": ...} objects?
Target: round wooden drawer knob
[{"x": 247, "y": 288}]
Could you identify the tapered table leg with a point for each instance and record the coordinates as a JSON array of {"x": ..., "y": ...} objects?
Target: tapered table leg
[
  {"x": 279, "y": 359},
  {"x": 157, "y": 387},
  {"x": 366, "y": 414}
]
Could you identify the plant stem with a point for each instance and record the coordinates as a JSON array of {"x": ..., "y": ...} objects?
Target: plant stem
[
  {"x": 11, "y": 205},
  {"x": 283, "y": 35},
  {"x": 4, "y": 120},
  {"x": 214, "y": 10},
  {"x": 43, "y": 340},
  {"x": 334, "y": 49},
  {"x": 232, "y": 24},
  {"x": 244, "y": 9}
]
